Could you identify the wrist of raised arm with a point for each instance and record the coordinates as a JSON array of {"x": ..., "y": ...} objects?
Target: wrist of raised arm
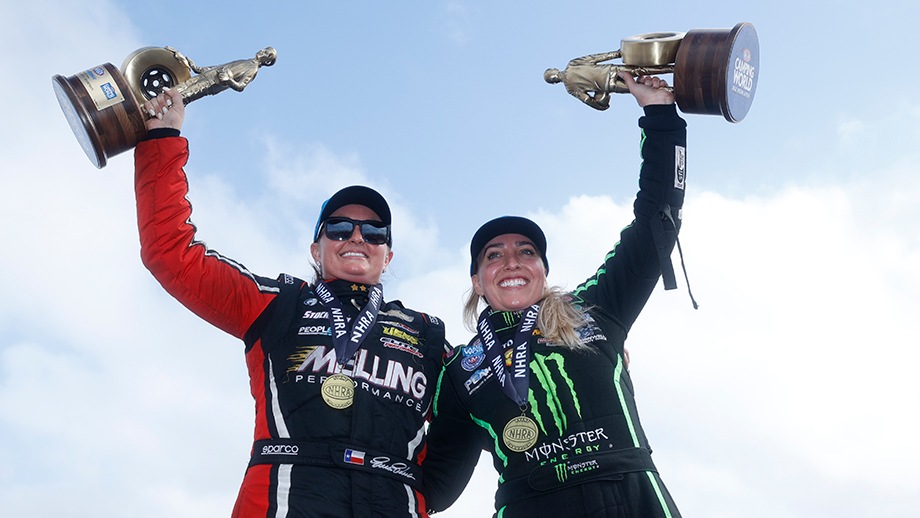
[{"x": 662, "y": 117}]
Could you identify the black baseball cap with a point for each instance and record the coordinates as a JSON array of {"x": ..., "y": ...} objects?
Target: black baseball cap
[
  {"x": 506, "y": 225},
  {"x": 353, "y": 195}
]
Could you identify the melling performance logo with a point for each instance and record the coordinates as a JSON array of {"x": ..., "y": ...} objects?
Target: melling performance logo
[{"x": 382, "y": 378}]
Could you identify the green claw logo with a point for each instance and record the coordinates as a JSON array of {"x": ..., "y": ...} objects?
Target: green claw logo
[
  {"x": 540, "y": 365},
  {"x": 562, "y": 472}
]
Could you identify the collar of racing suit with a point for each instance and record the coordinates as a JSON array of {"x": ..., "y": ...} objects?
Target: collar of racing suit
[{"x": 353, "y": 295}]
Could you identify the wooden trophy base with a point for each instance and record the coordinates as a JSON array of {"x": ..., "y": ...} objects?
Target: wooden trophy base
[
  {"x": 715, "y": 71},
  {"x": 102, "y": 111}
]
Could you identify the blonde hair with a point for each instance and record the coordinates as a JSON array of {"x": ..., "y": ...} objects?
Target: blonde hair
[{"x": 558, "y": 319}]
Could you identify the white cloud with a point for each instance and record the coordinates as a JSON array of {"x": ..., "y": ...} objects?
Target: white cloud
[{"x": 456, "y": 25}]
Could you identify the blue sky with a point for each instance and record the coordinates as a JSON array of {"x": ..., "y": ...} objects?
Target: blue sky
[{"x": 790, "y": 392}]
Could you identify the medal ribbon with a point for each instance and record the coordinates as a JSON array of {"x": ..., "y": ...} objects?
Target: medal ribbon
[
  {"x": 347, "y": 340},
  {"x": 516, "y": 382}
]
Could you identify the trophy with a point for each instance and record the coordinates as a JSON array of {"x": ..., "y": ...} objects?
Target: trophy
[
  {"x": 103, "y": 104},
  {"x": 715, "y": 70}
]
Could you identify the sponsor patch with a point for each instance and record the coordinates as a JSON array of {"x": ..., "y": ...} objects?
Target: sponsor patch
[
  {"x": 108, "y": 91},
  {"x": 392, "y": 343},
  {"x": 395, "y": 313},
  {"x": 470, "y": 363},
  {"x": 409, "y": 329},
  {"x": 280, "y": 449},
  {"x": 400, "y": 334},
  {"x": 680, "y": 167},
  {"x": 566, "y": 470},
  {"x": 315, "y": 330},
  {"x": 476, "y": 380},
  {"x": 578, "y": 443},
  {"x": 473, "y": 350}
]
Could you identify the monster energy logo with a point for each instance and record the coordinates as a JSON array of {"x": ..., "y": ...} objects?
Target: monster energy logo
[
  {"x": 554, "y": 409},
  {"x": 565, "y": 469},
  {"x": 562, "y": 472},
  {"x": 547, "y": 377}
]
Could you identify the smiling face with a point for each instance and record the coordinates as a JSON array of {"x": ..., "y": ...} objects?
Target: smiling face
[
  {"x": 352, "y": 260},
  {"x": 511, "y": 274}
]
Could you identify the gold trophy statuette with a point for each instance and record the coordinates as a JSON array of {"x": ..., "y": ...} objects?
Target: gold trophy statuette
[
  {"x": 103, "y": 104},
  {"x": 715, "y": 70}
]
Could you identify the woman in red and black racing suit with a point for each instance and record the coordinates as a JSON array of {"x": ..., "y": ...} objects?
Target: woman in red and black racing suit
[{"x": 351, "y": 449}]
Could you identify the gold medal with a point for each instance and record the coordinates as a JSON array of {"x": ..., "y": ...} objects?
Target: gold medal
[
  {"x": 520, "y": 434},
  {"x": 338, "y": 391}
]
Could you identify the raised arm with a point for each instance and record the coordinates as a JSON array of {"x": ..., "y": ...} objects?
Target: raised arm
[
  {"x": 214, "y": 287},
  {"x": 631, "y": 270}
]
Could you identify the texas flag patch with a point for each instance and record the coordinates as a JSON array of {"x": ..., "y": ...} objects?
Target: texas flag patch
[{"x": 354, "y": 457}]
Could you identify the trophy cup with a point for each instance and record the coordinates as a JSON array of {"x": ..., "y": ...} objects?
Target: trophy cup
[
  {"x": 103, "y": 104},
  {"x": 715, "y": 70}
]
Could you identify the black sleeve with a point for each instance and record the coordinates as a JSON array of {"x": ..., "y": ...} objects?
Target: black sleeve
[
  {"x": 624, "y": 282},
  {"x": 453, "y": 448},
  {"x": 161, "y": 133}
]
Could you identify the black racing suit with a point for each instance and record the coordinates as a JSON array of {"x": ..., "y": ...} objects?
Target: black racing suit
[
  {"x": 308, "y": 459},
  {"x": 591, "y": 457}
]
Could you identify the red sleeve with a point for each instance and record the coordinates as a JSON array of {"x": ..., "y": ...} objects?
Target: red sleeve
[{"x": 213, "y": 287}]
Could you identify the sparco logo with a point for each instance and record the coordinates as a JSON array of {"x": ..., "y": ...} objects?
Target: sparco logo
[{"x": 280, "y": 449}]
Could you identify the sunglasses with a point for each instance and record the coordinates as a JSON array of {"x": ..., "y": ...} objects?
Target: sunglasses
[{"x": 341, "y": 229}]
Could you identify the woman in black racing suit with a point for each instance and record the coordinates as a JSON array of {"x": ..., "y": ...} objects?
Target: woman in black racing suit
[{"x": 543, "y": 384}]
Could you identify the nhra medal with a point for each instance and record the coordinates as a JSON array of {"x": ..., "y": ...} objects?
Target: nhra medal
[
  {"x": 338, "y": 391},
  {"x": 520, "y": 434}
]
